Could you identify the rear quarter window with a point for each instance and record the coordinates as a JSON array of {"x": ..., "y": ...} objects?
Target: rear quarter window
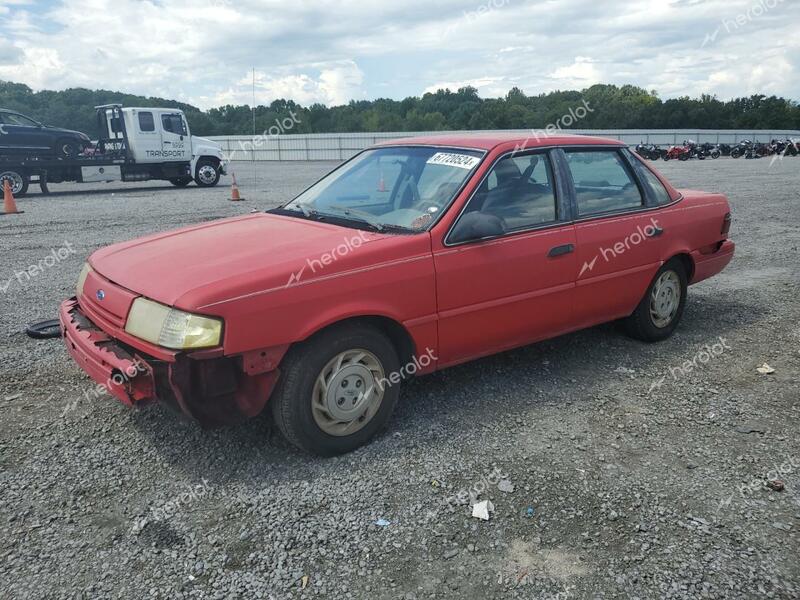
[{"x": 146, "y": 122}]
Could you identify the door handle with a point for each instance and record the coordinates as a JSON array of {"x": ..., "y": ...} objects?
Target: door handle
[
  {"x": 657, "y": 231},
  {"x": 170, "y": 143},
  {"x": 561, "y": 250}
]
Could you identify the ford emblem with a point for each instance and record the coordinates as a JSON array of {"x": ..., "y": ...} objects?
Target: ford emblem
[{"x": 100, "y": 294}]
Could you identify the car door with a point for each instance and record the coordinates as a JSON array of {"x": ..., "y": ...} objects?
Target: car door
[
  {"x": 146, "y": 138},
  {"x": 174, "y": 134},
  {"x": 618, "y": 235},
  {"x": 21, "y": 133},
  {"x": 516, "y": 288}
]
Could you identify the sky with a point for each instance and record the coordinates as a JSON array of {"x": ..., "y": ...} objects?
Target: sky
[{"x": 332, "y": 51}]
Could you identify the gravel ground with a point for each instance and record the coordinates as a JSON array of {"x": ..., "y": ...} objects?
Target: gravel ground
[{"x": 623, "y": 473}]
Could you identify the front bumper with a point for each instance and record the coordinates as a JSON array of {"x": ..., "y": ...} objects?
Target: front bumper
[
  {"x": 126, "y": 376},
  {"x": 211, "y": 389}
]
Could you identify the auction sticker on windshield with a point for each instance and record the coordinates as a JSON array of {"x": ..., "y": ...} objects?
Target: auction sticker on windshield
[{"x": 462, "y": 161}]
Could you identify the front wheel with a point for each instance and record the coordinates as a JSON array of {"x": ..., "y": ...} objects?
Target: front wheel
[
  {"x": 337, "y": 390},
  {"x": 17, "y": 180},
  {"x": 736, "y": 153},
  {"x": 67, "y": 148},
  {"x": 661, "y": 309},
  {"x": 207, "y": 173},
  {"x": 715, "y": 154}
]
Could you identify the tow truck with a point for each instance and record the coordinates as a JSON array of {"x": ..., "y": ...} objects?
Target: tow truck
[{"x": 136, "y": 144}]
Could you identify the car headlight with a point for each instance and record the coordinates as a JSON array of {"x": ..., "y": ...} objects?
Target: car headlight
[
  {"x": 84, "y": 137},
  {"x": 170, "y": 327},
  {"x": 82, "y": 279}
]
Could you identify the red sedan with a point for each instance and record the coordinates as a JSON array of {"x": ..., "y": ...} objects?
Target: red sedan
[{"x": 411, "y": 257}]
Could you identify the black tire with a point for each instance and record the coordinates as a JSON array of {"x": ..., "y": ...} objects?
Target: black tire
[
  {"x": 181, "y": 181},
  {"x": 683, "y": 157},
  {"x": 44, "y": 330},
  {"x": 300, "y": 369},
  {"x": 203, "y": 176},
  {"x": 736, "y": 153},
  {"x": 715, "y": 154},
  {"x": 667, "y": 157},
  {"x": 68, "y": 148},
  {"x": 18, "y": 180},
  {"x": 641, "y": 324}
]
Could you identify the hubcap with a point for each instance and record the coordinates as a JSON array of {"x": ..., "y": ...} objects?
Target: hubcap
[
  {"x": 14, "y": 180},
  {"x": 207, "y": 174},
  {"x": 346, "y": 393},
  {"x": 665, "y": 299}
]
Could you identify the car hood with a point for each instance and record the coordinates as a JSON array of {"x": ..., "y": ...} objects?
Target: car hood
[
  {"x": 213, "y": 262},
  {"x": 65, "y": 131}
]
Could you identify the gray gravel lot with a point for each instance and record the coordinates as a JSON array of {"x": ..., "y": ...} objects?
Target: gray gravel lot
[{"x": 621, "y": 488}]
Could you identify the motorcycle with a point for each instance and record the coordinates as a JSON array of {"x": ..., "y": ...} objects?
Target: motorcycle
[
  {"x": 710, "y": 150},
  {"x": 681, "y": 153}
]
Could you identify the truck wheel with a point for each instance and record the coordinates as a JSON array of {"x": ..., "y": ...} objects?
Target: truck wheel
[
  {"x": 334, "y": 393},
  {"x": 67, "y": 148},
  {"x": 181, "y": 181},
  {"x": 661, "y": 309},
  {"x": 207, "y": 174},
  {"x": 18, "y": 180}
]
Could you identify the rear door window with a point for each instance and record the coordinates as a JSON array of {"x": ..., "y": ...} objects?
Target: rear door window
[
  {"x": 146, "y": 122},
  {"x": 603, "y": 183}
]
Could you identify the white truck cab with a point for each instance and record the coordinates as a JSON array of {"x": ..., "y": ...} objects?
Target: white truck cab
[{"x": 162, "y": 136}]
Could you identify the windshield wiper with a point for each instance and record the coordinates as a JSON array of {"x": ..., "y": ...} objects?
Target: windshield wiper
[{"x": 367, "y": 217}]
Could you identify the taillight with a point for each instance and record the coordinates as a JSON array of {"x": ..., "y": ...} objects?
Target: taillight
[{"x": 726, "y": 224}]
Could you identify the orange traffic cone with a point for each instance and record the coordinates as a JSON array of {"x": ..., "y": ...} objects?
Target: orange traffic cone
[
  {"x": 9, "y": 205},
  {"x": 235, "y": 197}
]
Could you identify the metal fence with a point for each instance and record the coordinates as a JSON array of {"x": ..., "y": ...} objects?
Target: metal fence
[{"x": 341, "y": 146}]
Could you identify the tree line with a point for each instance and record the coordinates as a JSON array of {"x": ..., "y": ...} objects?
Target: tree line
[{"x": 609, "y": 107}]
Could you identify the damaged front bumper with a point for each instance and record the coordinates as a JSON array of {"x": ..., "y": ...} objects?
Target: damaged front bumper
[{"x": 211, "y": 388}]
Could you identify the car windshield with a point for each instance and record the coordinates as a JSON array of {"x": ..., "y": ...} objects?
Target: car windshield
[{"x": 390, "y": 188}]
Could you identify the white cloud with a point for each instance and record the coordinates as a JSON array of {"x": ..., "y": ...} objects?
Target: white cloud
[{"x": 202, "y": 51}]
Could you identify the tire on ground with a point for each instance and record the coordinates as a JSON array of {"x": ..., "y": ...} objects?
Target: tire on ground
[
  {"x": 641, "y": 324},
  {"x": 17, "y": 179},
  {"x": 207, "y": 173},
  {"x": 292, "y": 400}
]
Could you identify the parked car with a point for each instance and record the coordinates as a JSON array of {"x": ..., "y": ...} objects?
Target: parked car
[
  {"x": 22, "y": 135},
  {"x": 413, "y": 256}
]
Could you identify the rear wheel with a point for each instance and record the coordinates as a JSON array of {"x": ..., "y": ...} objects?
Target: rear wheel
[
  {"x": 661, "y": 309},
  {"x": 736, "y": 153},
  {"x": 181, "y": 181},
  {"x": 207, "y": 173},
  {"x": 334, "y": 393},
  {"x": 18, "y": 180},
  {"x": 67, "y": 148}
]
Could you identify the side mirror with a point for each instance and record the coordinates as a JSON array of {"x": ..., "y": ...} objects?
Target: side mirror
[{"x": 476, "y": 226}]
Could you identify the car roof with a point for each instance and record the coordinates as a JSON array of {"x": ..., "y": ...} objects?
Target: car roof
[{"x": 490, "y": 140}]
